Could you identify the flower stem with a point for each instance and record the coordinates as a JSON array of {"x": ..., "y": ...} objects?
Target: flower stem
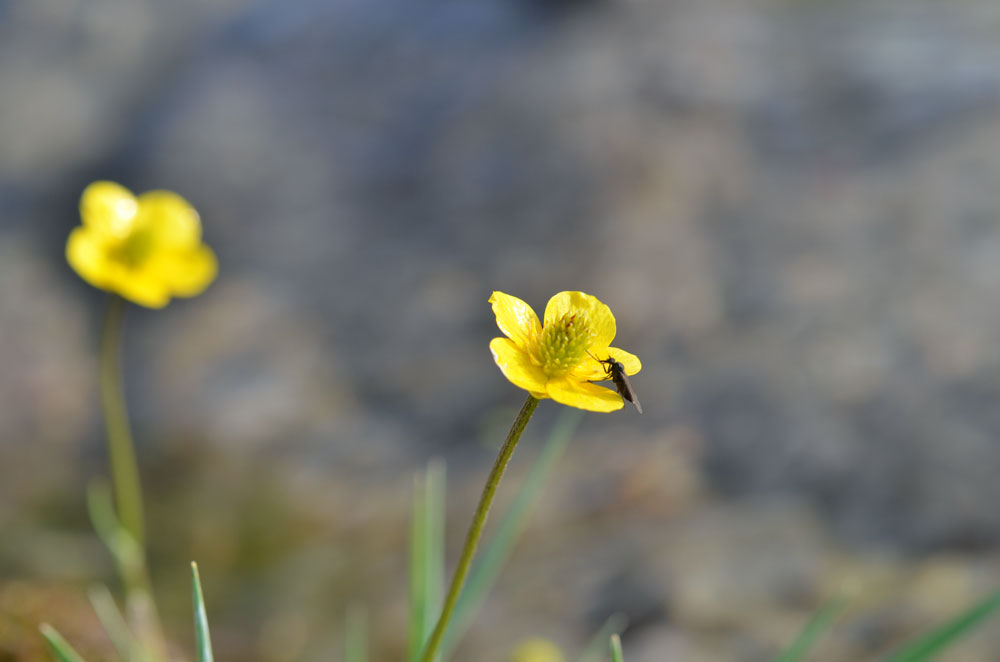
[
  {"x": 476, "y": 528},
  {"x": 140, "y": 606},
  {"x": 121, "y": 450}
]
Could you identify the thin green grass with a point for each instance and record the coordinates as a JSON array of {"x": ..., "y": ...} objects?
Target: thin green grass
[
  {"x": 60, "y": 648},
  {"x": 113, "y": 622},
  {"x": 595, "y": 648},
  {"x": 356, "y": 635},
  {"x": 202, "y": 637},
  {"x": 616, "y": 649},
  {"x": 821, "y": 621},
  {"x": 487, "y": 569},
  {"x": 427, "y": 582},
  {"x": 123, "y": 547},
  {"x": 426, "y": 555},
  {"x": 925, "y": 647}
]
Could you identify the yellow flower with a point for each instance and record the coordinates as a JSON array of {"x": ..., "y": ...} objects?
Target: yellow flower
[
  {"x": 147, "y": 248},
  {"x": 560, "y": 359},
  {"x": 537, "y": 650}
]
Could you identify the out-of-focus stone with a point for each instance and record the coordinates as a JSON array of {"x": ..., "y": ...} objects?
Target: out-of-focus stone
[{"x": 791, "y": 207}]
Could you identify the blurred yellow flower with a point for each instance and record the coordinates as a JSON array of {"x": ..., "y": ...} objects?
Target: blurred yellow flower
[
  {"x": 146, "y": 248},
  {"x": 560, "y": 359},
  {"x": 537, "y": 650}
]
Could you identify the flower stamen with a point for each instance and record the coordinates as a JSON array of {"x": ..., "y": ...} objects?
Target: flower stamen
[{"x": 563, "y": 344}]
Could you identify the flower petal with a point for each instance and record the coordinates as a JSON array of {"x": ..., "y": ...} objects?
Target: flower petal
[
  {"x": 85, "y": 252},
  {"x": 588, "y": 371},
  {"x": 516, "y": 319},
  {"x": 141, "y": 286},
  {"x": 88, "y": 252},
  {"x": 109, "y": 208},
  {"x": 171, "y": 219},
  {"x": 185, "y": 273},
  {"x": 627, "y": 359},
  {"x": 600, "y": 320},
  {"x": 584, "y": 395},
  {"x": 516, "y": 366}
]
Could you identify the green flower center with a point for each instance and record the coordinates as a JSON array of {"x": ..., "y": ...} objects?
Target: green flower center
[
  {"x": 135, "y": 248},
  {"x": 563, "y": 344}
]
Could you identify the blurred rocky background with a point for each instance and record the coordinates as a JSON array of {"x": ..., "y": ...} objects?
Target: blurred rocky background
[{"x": 791, "y": 206}]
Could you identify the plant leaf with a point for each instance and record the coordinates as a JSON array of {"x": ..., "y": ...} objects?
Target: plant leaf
[{"x": 202, "y": 636}]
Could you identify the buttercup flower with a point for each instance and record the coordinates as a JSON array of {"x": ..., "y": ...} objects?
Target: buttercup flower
[
  {"x": 561, "y": 358},
  {"x": 146, "y": 248},
  {"x": 537, "y": 649}
]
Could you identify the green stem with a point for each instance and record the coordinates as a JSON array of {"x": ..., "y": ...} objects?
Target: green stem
[
  {"x": 140, "y": 606},
  {"x": 121, "y": 450},
  {"x": 476, "y": 528}
]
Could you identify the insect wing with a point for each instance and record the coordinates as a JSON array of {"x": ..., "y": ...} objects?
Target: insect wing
[
  {"x": 625, "y": 388},
  {"x": 623, "y": 385}
]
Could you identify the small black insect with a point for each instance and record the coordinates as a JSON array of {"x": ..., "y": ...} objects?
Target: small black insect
[{"x": 615, "y": 371}]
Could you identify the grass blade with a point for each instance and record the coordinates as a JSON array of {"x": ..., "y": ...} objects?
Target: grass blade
[
  {"x": 356, "y": 635},
  {"x": 616, "y": 649},
  {"x": 434, "y": 506},
  {"x": 202, "y": 637},
  {"x": 113, "y": 622},
  {"x": 60, "y": 648},
  {"x": 122, "y": 546},
  {"x": 594, "y": 650},
  {"x": 426, "y": 555},
  {"x": 926, "y": 646},
  {"x": 817, "y": 625},
  {"x": 131, "y": 562},
  {"x": 495, "y": 554},
  {"x": 419, "y": 615}
]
